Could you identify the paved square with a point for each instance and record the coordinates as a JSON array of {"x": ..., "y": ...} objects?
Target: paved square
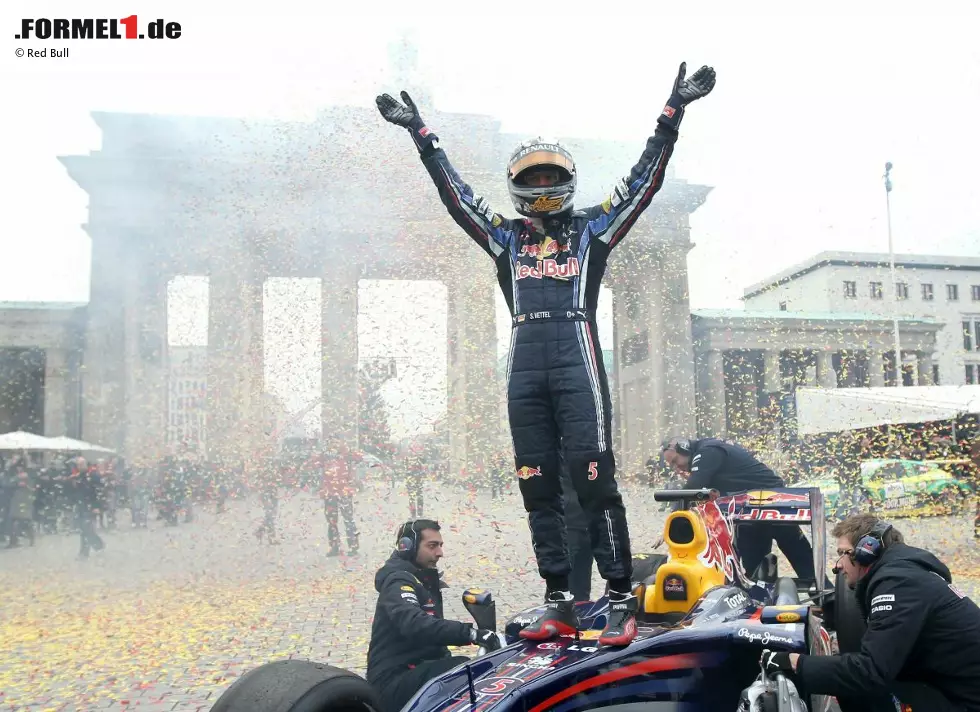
[{"x": 167, "y": 618}]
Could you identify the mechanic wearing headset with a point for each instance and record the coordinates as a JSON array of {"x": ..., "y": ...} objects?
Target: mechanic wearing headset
[
  {"x": 922, "y": 645},
  {"x": 726, "y": 467},
  {"x": 409, "y": 635}
]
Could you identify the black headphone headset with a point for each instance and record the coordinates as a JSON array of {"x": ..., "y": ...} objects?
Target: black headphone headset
[
  {"x": 408, "y": 541},
  {"x": 869, "y": 547},
  {"x": 682, "y": 446}
]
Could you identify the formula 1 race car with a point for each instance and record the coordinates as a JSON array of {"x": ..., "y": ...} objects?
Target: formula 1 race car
[{"x": 702, "y": 627}]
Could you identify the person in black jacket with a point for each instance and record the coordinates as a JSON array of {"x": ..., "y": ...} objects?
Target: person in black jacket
[
  {"x": 409, "y": 636},
  {"x": 726, "y": 467},
  {"x": 922, "y": 645},
  {"x": 86, "y": 485}
]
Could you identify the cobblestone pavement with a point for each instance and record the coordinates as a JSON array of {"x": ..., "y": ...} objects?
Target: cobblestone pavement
[{"x": 167, "y": 618}]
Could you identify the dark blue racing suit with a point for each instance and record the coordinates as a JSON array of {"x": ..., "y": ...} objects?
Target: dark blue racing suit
[{"x": 557, "y": 392}]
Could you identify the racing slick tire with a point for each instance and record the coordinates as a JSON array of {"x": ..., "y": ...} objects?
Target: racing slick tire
[
  {"x": 298, "y": 686},
  {"x": 849, "y": 621}
]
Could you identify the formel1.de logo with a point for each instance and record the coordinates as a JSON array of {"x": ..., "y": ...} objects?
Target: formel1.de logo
[{"x": 101, "y": 28}]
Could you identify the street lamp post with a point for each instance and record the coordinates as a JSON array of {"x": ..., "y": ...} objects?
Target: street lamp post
[{"x": 899, "y": 377}]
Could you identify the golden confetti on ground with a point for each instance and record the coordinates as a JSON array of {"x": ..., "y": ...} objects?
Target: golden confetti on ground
[
  {"x": 70, "y": 648},
  {"x": 166, "y": 619},
  {"x": 171, "y": 617}
]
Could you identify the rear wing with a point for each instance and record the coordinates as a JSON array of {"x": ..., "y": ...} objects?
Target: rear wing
[{"x": 783, "y": 505}]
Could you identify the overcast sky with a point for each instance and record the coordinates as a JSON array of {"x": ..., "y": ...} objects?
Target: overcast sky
[{"x": 806, "y": 111}]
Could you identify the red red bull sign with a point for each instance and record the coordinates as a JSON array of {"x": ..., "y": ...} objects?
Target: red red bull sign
[
  {"x": 769, "y": 505},
  {"x": 549, "y": 268},
  {"x": 774, "y": 515}
]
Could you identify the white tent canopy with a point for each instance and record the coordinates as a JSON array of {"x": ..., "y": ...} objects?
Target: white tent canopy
[
  {"x": 66, "y": 444},
  {"x": 830, "y": 410},
  {"x": 19, "y": 440}
]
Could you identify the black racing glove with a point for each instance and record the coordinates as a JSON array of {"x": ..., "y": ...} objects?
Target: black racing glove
[
  {"x": 407, "y": 116},
  {"x": 773, "y": 662},
  {"x": 685, "y": 91},
  {"x": 486, "y": 639}
]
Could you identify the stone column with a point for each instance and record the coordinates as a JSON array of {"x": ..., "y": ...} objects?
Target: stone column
[
  {"x": 772, "y": 386},
  {"x": 924, "y": 367},
  {"x": 55, "y": 392},
  {"x": 826, "y": 376},
  {"x": 483, "y": 387},
  {"x": 743, "y": 411},
  {"x": 147, "y": 396},
  {"x": 254, "y": 430},
  {"x": 103, "y": 366},
  {"x": 338, "y": 336},
  {"x": 656, "y": 385},
  {"x": 236, "y": 371},
  {"x": 876, "y": 368},
  {"x": 773, "y": 375},
  {"x": 714, "y": 415},
  {"x": 73, "y": 394},
  {"x": 849, "y": 365},
  {"x": 677, "y": 403},
  {"x": 474, "y": 389},
  {"x": 631, "y": 388}
]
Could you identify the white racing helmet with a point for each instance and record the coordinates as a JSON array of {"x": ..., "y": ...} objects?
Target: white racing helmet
[{"x": 541, "y": 201}]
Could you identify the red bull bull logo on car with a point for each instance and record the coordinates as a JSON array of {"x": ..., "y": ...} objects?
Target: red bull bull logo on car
[
  {"x": 526, "y": 473},
  {"x": 777, "y": 498},
  {"x": 761, "y": 506},
  {"x": 719, "y": 552}
]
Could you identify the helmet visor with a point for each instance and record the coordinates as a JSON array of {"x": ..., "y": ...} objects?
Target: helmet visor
[{"x": 542, "y": 159}]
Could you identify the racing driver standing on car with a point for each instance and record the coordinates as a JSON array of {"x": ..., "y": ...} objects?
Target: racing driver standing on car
[
  {"x": 921, "y": 650},
  {"x": 549, "y": 265}
]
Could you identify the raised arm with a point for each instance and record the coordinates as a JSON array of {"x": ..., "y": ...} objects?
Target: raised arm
[
  {"x": 473, "y": 213},
  {"x": 614, "y": 217}
]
